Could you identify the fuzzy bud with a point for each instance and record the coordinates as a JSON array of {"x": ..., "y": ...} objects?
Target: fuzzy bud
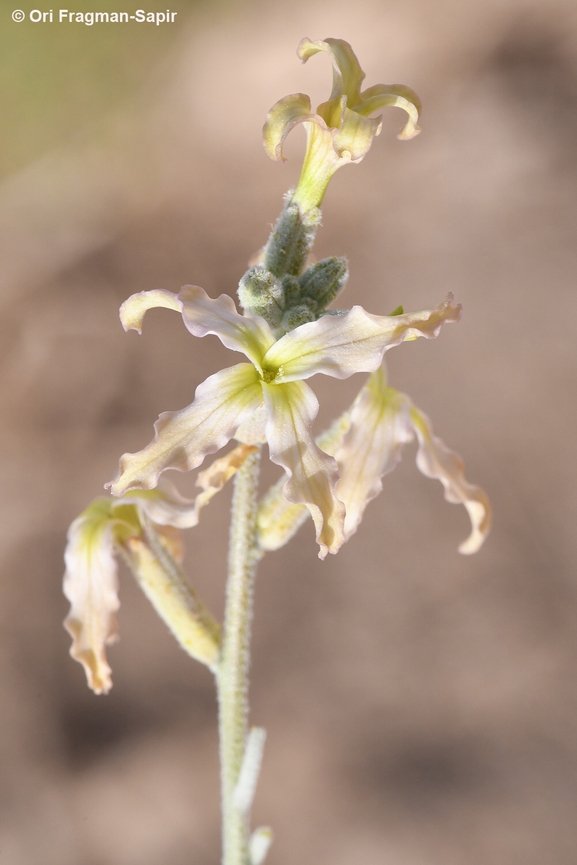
[
  {"x": 291, "y": 241},
  {"x": 292, "y": 290},
  {"x": 260, "y": 293},
  {"x": 300, "y": 314},
  {"x": 323, "y": 281}
]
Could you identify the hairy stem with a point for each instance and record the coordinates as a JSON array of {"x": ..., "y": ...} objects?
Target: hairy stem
[
  {"x": 232, "y": 672},
  {"x": 162, "y": 581}
]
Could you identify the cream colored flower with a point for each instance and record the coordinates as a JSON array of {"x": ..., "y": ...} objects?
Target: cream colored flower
[
  {"x": 342, "y": 129},
  {"x": 367, "y": 442},
  {"x": 268, "y": 399},
  {"x": 91, "y": 586},
  {"x": 109, "y": 527}
]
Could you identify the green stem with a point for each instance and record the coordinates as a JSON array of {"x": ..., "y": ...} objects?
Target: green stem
[{"x": 232, "y": 673}]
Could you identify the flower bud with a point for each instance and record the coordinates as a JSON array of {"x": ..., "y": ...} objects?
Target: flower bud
[
  {"x": 324, "y": 280},
  {"x": 291, "y": 241},
  {"x": 292, "y": 290},
  {"x": 260, "y": 293},
  {"x": 302, "y": 313}
]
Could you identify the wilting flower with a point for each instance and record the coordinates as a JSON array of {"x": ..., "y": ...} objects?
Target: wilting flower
[
  {"x": 342, "y": 129},
  {"x": 110, "y": 527},
  {"x": 267, "y": 399},
  {"x": 366, "y": 443}
]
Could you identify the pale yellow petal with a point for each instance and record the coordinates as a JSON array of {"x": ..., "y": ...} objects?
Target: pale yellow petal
[
  {"x": 285, "y": 114},
  {"x": 356, "y": 135},
  {"x": 341, "y": 345},
  {"x": 164, "y": 505},
  {"x": 347, "y": 73},
  {"x": 278, "y": 520},
  {"x": 252, "y": 430},
  {"x": 380, "y": 426},
  {"x": 202, "y": 315},
  {"x": 427, "y": 323},
  {"x": 213, "y": 479},
  {"x": 335, "y": 345},
  {"x": 91, "y": 586},
  {"x": 436, "y": 460},
  {"x": 133, "y": 309},
  {"x": 393, "y": 96},
  {"x": 311, "y": 474},
  {"x": 184, "y": 438}
]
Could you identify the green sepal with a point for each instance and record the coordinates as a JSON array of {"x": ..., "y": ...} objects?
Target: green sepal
[{"x": 323, "y": 281}]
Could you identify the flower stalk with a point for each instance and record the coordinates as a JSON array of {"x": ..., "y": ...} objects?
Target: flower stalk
[{"x": 233, "y": 668}]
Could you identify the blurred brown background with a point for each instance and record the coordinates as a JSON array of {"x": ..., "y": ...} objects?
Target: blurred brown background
[{"x": 420, "y": 705}]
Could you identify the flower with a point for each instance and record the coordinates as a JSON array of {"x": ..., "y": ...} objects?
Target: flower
[
  {"x": 91, "y": 586},
  {"x": 342, "y": 130},
  {"x": 108, "y": 528},
  {"x": 366, "y": 443},
  {"x": 268, "y": 399}
]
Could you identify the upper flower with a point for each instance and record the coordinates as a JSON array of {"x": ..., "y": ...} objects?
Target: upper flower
[
  {"x": 267, "y": 399},
  {"x": 342, "y": 130}
]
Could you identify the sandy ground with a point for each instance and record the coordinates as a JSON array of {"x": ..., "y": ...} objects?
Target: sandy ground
[{"x": 420, "y": 705}]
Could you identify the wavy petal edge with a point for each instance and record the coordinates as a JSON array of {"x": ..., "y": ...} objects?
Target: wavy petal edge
[
  {"x": 435, "y": 460},
  {"x": 184, "y": 438}
]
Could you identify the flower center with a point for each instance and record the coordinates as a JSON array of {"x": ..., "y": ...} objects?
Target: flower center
[{"x": 269, "y": 375}]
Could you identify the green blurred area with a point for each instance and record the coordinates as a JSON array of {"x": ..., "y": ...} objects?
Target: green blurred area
[{"x": 57, "y": 79}]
